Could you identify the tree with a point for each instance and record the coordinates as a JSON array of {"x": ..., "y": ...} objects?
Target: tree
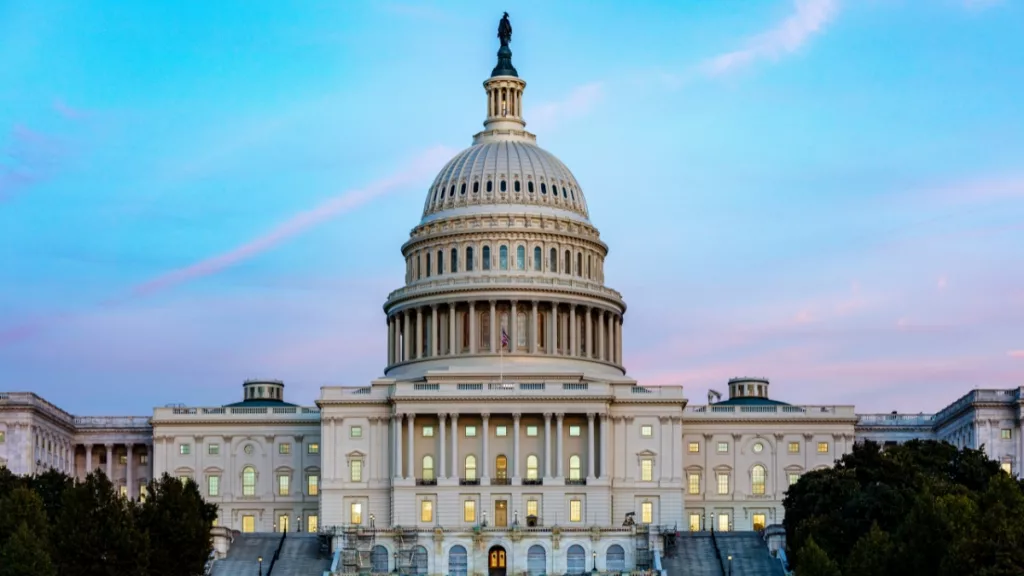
[
  {"x": 25, "y": 554},
  {"x": 24, "y": 534},
  {"x": 872, "y": 554},
  {"x": 177, "y": 518},
  {"x": 813, "y": 561}
]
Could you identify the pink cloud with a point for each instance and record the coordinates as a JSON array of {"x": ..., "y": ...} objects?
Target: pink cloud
[
  {"x": 1015, "y": 353},
  {"x": 809, "y": 18},
  {"x": 32, "y": 156}
]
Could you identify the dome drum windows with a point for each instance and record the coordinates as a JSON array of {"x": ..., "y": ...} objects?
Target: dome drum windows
[
  {"x": 462, "y": 189},
  {"x": 515, "y": 186},
  {"x": 538, "y": 260},
  {"x": 487, "y": 258},
  {"x": 504, "y": 186},
  {"x": 543, "y": 188},
  {"x": 455, "y": 260},
  {"x": 469, "y": 259},
  {"x": 476, "y": 187},
  {"x": 520, "y": 258},
  {"x": 529, "y": 187},
  {"x": 490, "y": 186},
  {"x": 503, "y": 257}
]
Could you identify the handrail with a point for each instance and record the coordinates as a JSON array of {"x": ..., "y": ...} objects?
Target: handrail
[
  {"x": 277, "y": 553},
  {"x": 718, "y": 552}
]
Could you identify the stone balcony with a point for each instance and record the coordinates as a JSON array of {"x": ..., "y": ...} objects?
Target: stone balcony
[
  {"x": 781, "y": 412},
  {"x": 385, "y": 390}
]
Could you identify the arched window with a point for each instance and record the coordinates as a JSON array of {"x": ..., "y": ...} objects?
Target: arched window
[
  {"x": 572, "y": 193},
  {"x": 428, "y": 264},
  {"x": 248, "y": 481},
  {"x": 501, "y": 467},
  {"x": 503, "y": 257},
  {"x": 440, "y": 262},
  {"x": 452, "y": 191},
  {"x": 574, "y": 467},
  {"x": 536, "y": 561},
  {"x": 490, "y": 185},
  {"x": 529, "y": 187},
  {"x": 455, "y": 260},
  {"x": 520, "y": 258},
  {"x": 553, "y": 260},
  {"x": 576, "y": 560},
  {"x": 379, "y": 559},
  {"x": 615, "y": 559},
  {"x": 428, "y": 467},
  {"x": 457, "y": 564},
  {"x": 476, "y": 187},
  {"x": 487, "y": 258},
  {"x": 470, "y": 467},
  {"x": 462, "y": 189},
  {"x": 469, "y": 259},
  {"x": 590, "y": 259},
  {"x": 538, "y": 259},
  {"x": 579, "y": 264},
  {"x": 567, "y": 269},
  {"x": 503, "y": 186},
  {"x": 485, "y": 331},
  {"x": 564, "y": 195},
  {"x": 543, "y": 188},
  {"x": 531, "y": 467},
  {"x": 758, "y": 474},
  {"x": 419, "y": 266},
  {"x": 516, "y": 186},
  {"x": 419, "y": 561}
]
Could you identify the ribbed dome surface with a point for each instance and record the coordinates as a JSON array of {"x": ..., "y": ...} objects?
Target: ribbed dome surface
[{"x": 505, "y": 172}]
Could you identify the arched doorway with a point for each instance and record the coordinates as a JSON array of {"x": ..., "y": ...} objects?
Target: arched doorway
[
  {"x": 419, "y": 561},
  {"x": 536, "y": 560},
  {"x": 496, "y": 561},
  {"x": 379, "y": 559},
  {"x": 615, "y": 559},
  {"x": 576, "y": 560},
  {"x": 457, "y": 565}
]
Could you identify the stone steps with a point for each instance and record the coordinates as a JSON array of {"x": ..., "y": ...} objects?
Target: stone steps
[{"x": 750, "y": 555}]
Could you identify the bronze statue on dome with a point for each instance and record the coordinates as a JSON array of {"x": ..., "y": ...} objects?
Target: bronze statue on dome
[{"x": 505, "y": 30}]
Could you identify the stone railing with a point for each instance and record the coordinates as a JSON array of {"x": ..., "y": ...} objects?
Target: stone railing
[
  {"x": 238, "y": 412},
  {"x": 30, "y": 399},
  {"x": 754, "y": 412},
  {"x": 992, "y": 396},
  {"x": 895, "y": 419},
  {"x": 112, "y": 422},
  {"x": 489, "y": 278},
  {"x": 502, "y": 389}
]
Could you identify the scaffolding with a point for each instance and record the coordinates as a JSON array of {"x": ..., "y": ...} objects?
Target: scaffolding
[
  {"x": 405, "y": 544},
  {"x": 356, "y": 549},
  {"x": 642, "y": 540}
]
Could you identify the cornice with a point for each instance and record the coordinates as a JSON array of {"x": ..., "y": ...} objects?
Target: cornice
[{"x": 395, "y": 304}]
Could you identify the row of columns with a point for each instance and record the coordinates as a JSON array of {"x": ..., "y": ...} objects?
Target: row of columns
[
  {"x": 485, "y": 460},
  {"x": 417, "y": 333},
  {"x": 504, "y": 101},
  {"x": 129, "y": 467},
  {"x": 52, "y": 450}
]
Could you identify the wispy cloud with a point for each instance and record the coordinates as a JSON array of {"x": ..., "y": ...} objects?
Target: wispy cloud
[
  {"x": 579, "y": 102},
  {"x": 28, "y": 158},
  {"x": 1015, "y": 353},
  {"x": 809, "y": 18},
  {"x": 69, "y": 112},
  {"x": 980, "y": 4}
]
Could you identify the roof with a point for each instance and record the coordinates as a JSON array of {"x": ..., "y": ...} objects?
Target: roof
[
  {"x": 751, "y": 401},
  {"x": 259, "y": 403}
]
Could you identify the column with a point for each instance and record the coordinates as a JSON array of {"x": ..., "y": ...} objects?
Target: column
[
  {"x": 88, "y": 459},
  {"x": 371, "y": 471},
  {"x": 412, "y": 446},
  {"x": 590, "y": 440},
  {"x": 433, "y": 330},
  {"x": 605, "y": 450},
  {"x": 110, "y": 461},
  {"x": 407, "y": 337},
  {"x": 452, "y": 340},
  {"x": 391, "y": 341},
  {"x": 620, "y": 456},
  {"x": 456, "y": 463},
  {"x": 128, "y": 474},
  {"x": 572, "y": 330},
  {"x": 547, "y": 444},
  {"x": 589, "y": 337},
  {"x": 558, "y": 443},
  {"x": 533, "y": 329},
  {"x": 441, "y": 423},
  {"x": 611, "y": 338},
  {"x": 398, "y": 446},
  {"x": 152, "y": 460},
  {"x": 494, "y": 326},
  {"x": 618, "y": 341},
  {"x": 513, "y": 329},
  {"x": 515, "y": 444},
  {"x": 486, "y": 457},
  {"x": 600, "y": 335},
  {"x": 419, "y": 332},
  {"x": 552, "y": 316},
  {"x": 473, "y": 337},
  {"x": 397, "y": 344}
]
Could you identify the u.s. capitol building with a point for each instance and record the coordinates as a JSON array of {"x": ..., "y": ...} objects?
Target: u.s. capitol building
[{"x": 505, "y": 433}]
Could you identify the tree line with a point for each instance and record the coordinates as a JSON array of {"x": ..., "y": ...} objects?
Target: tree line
[
  {"x": 924, "y": 507},
  {"x": 54, "y": 525}
]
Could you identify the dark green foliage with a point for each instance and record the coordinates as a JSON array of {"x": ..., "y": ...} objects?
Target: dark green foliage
[
  {"x": 921, "y": 508},
  {"x": 178, "y": 522},
  {"x": 25, "y": 554},
  {"x": 815, "y": 562}
]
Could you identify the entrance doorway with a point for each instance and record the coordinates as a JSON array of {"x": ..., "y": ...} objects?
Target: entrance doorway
[
  {"x": 496, "y": 561},
  {"x": 501, "y": 513},
  {"x": 758, "y": 522},
  {"x": 282, "y": 523}
]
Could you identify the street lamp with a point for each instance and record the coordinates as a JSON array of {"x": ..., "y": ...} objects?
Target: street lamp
[
  {"x": 396, "y": 562},
  {"x": 260, "y": 560},
  {"x": 593, "y": 555},
  {"x": 730, "y": 565},
  {"x": 712, "y": 521},
  {"x": 298, "y": 523},
  {"x": 371, "y": 521}
]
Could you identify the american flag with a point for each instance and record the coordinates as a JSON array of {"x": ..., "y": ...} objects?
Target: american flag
[{"x": 504, "y": 338}]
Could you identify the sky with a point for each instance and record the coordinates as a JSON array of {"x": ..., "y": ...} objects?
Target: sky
[{"x": 827, "y": 193}]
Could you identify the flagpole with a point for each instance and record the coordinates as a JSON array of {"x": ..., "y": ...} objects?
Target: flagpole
[{"x": 501, "y": 363}]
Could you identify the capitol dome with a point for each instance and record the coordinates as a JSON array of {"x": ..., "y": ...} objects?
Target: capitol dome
[{"x": 505, "y": 271}]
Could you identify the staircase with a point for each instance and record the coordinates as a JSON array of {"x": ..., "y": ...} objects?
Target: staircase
[
  {"x": 300, "y": 556},
  {"x": 695, "y": 556},
  {"x": 750, "y": 555},
  {"x": 242, "y": 555}
]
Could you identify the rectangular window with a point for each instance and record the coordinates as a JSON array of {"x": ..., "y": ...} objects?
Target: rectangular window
[
  {"x": 143, "y": 492},
  {"x": 470, "y": 431},
  {"x": 723, "y": 523},
  {"x": 355, "y": 432},
  {"x": 213, "y": 449},
  {"x": 248, "y": 523},
  {"x": 1006, "y": 467},
  {"x": 213, "y": 485},
  {"x": 313, "y": 448},
  {"x": 694, "y": 522},
  {"x": 144, "y": 459},
  {"x": 426, "y": 511},
  {"x": 122, "y": 459},
  {"x": 469, "y": 511},
  {"x": 694, "y": 448},
  {"x": 183, "y": 479},
  {"x": 313, "y": 484},
  {"x": 574, "y": 430},
  {"x": 575, "y": 510},
  {"x": 531, "y": 430},
  {"x": 282, "y": 484},
  {"x": 793, "y": 478},
  {"x": 123, "y": 491},
  {"x": 822, "y": 447},
  {"x": 312, "y": 524},
  {"x": 723, "y": 483},
  {"x": 356, "y": 471},
  {"x": 794, "y": 447},
  {"x": 3, "y": 437},
  {"x": 723, "y": 447},
  {"x": 647, "y": 512},
  {"x": 693, "y": 483},
  {"x": 355, "y": 511},
  {"x": 501, "y": 431},
  {"x": 647, "y": 469},
  {"x": 1006, "y": 433},
  {"x": 284, "y": 448},
  {"x": 532, "y": 506},
  {"x": 184, "y": 449},
  {"x": 428, "y": 431},
  {"x": 647, "y": 431}
]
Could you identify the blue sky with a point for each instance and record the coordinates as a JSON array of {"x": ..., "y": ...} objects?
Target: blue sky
[{"x": 828, "y": 193}]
